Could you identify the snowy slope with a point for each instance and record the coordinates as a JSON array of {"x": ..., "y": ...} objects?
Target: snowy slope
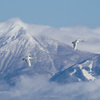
[{"x": 87, "y": 70}]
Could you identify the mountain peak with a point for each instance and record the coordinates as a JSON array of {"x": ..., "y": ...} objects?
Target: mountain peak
[
  {"x": 11, "y": 23},
  {"x": 11, "y": 26},
  {"x": 13, "y": 20}
]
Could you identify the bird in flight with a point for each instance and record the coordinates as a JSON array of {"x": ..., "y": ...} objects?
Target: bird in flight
[
  {"x": 27, "y": 59},
  {"x": 75, "y": 43}
]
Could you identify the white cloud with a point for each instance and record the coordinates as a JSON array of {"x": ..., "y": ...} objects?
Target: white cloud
[{"x": 39, "y": 88}]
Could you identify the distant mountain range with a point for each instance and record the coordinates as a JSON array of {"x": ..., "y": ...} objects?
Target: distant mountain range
[{"x": 56, "y": 60}]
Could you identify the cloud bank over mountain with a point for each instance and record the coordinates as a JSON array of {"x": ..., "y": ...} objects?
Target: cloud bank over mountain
[
  {"x": 38, "y": 88},
  {"x": 68, "y": 34}
]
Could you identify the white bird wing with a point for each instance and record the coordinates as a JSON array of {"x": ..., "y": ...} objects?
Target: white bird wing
[
  {"x": 32, "y": 58},
  {"x": 29, "y": 63}
]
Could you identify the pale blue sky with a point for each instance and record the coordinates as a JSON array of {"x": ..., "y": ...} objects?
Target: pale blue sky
[{"x": 55, "y": 13}]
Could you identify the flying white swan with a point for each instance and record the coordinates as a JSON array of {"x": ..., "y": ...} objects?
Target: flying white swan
[
  {"x": 75, "y": 43},
  {"x": 27, "y": 59}
]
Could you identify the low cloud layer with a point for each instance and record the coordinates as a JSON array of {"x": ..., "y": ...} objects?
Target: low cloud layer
[{"x": 39, "y": 88}]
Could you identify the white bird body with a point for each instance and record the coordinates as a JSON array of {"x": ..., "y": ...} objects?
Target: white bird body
[
  {"x": 27, "y": 59},
  {"x": 75, "y": 43}
]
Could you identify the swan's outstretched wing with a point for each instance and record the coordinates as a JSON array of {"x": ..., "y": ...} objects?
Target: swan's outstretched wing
[
  {"x": 74, "y": 45},
  {"x": 32, "y": 58}
]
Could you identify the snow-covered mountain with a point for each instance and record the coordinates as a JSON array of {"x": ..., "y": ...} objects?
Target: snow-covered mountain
[
  {"x": 15, "y": 44},
  {"x": 18, "y": 39},
  {"x": 87, "y": 70}
]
